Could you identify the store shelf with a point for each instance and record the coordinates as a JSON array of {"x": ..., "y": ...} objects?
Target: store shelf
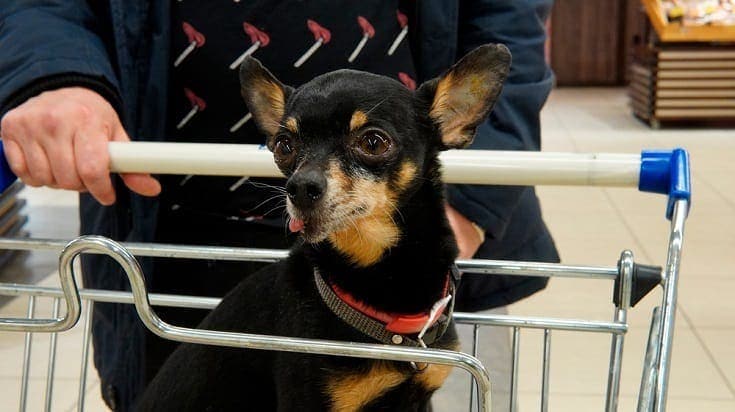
[
  {"x": 680, "y": 83},
  {"x": 683, "y": 72}
]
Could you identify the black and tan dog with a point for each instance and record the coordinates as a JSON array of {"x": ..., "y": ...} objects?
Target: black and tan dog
[{"x": 364, "y": 188}]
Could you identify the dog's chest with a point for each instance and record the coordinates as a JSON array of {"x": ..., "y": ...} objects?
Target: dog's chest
[{"x": 353, "y": 392}]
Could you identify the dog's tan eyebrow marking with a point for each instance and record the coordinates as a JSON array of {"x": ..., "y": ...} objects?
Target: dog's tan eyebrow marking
[
  {"x": 359, "y": 118},
  {"x": 292, "y": 125},
  {"x": 405, "y": 175}
]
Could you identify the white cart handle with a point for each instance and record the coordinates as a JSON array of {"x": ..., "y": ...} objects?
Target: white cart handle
[
  {"x": 460, "y": 166},
  {"x": 665, "y": 172}
]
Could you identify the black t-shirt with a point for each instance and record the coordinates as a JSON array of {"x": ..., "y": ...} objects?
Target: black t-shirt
[{"x": 205, "y": 103}]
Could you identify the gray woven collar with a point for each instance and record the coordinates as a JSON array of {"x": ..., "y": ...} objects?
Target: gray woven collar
[{"x": 376, "y": 329}]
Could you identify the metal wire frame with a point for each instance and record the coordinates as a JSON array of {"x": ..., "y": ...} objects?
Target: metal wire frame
[
  {"x": 662, "y": 364},
  {"x": 654, "y": 383},
  {"x": 477, "y": 320}
]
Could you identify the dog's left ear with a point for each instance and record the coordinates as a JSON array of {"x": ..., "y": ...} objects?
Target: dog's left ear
[
  {"x": 463, "y": 96},
  {"x": 264, "y": 95}
]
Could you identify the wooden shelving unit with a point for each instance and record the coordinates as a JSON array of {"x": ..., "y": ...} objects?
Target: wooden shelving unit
[{"x": 684, "y": 74}]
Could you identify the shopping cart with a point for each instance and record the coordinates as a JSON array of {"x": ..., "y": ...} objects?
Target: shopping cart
[{"x": 665, "y": 172}]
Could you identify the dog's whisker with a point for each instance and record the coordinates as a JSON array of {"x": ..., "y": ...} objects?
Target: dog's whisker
[
  {"x": 350, "y": 220},
  {"x": 264, "y": 202},
  {"x": 274, "y": 209},
  {"x": 261, "y": 185},
  {"x": 397, "y": 211},
  {"x": 271, "y": 122},
  {"x": 376, "y": 106},
  {"x": 390, "y": 215}
]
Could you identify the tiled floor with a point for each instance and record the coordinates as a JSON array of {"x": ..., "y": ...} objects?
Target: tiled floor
[{"x": 590, "y": 225}]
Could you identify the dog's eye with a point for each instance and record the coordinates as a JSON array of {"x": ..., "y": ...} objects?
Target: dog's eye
[
  {"x": 374, "y": 143},
  {"x": 283, "y": 147}
]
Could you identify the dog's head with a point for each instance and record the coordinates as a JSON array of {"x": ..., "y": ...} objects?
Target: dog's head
[{"x": 355, "y": 145}]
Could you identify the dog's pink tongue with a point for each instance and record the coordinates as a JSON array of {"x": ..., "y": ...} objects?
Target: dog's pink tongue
[{"x": 295, "y": 225}]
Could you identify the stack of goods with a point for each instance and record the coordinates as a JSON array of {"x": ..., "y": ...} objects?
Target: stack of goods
[
  {"x": 700, "y": 12},
  {"x": 692, "y": 20}
]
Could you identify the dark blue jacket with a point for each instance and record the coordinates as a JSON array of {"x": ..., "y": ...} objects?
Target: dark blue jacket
[{"x": 120, "y": 48}]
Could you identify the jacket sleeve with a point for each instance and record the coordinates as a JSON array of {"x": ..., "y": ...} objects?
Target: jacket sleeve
[
  {"x": 47, "y": 44},
  {"x": 514, "y": 122}
]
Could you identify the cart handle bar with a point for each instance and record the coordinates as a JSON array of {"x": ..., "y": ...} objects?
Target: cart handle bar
[{"x": 665, "y": 172}]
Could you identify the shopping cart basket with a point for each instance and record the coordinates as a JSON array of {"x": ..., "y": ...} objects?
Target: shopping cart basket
[{"x": 664, "y": 172}]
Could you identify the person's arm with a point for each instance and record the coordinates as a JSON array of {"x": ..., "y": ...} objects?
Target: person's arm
[
  {"x": 514, "y": 123},
  {"x": 48, "y": 45},
  {"x": 59, "y": 98}
]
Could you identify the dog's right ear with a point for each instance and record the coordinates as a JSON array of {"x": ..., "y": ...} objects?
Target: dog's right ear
[{"x": 264, "y": 95}]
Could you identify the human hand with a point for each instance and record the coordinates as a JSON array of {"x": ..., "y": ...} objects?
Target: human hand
[
  {"x": 59, "y": 139},
  {"x": 469, "y": 238}
]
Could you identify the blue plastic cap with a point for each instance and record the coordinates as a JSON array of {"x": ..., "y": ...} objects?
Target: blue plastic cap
[
  {"x": 666, "y": 172},
  {"x": 7, "y": 177}
]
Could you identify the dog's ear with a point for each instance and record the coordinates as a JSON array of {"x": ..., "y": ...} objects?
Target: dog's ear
[
  {"x": 461, "y": 98},
  {"x": 264, "y": 95}
]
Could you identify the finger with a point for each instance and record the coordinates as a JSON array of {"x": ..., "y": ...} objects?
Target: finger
[
  {"x": 92, "y": 162},
  {"x": 30, "y": 131},
  {"x": 464, "y": 233},
  {"x": 39, "y": 170},
  {"x": 140, "y": 183},
  {"x": 12, "y": 130},
  {"x": 60, "y": 154},
  {"x": 63, "y": 167},
  {"x": 16, "y": 159},
  {"x": 143, "y": 184}
]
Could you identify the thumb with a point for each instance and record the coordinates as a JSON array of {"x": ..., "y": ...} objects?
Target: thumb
[{"x": 141, "y": 183}]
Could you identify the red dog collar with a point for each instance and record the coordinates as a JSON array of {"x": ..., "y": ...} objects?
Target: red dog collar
[
  {"x": 400, "y": 323},
  {"x": 417, "y": 330}
]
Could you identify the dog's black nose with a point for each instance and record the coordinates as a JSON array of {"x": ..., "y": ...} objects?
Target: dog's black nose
[{"x": 306, "y": 187}]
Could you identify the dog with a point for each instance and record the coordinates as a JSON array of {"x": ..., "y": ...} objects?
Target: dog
[{"x": 364, "y": 190}]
